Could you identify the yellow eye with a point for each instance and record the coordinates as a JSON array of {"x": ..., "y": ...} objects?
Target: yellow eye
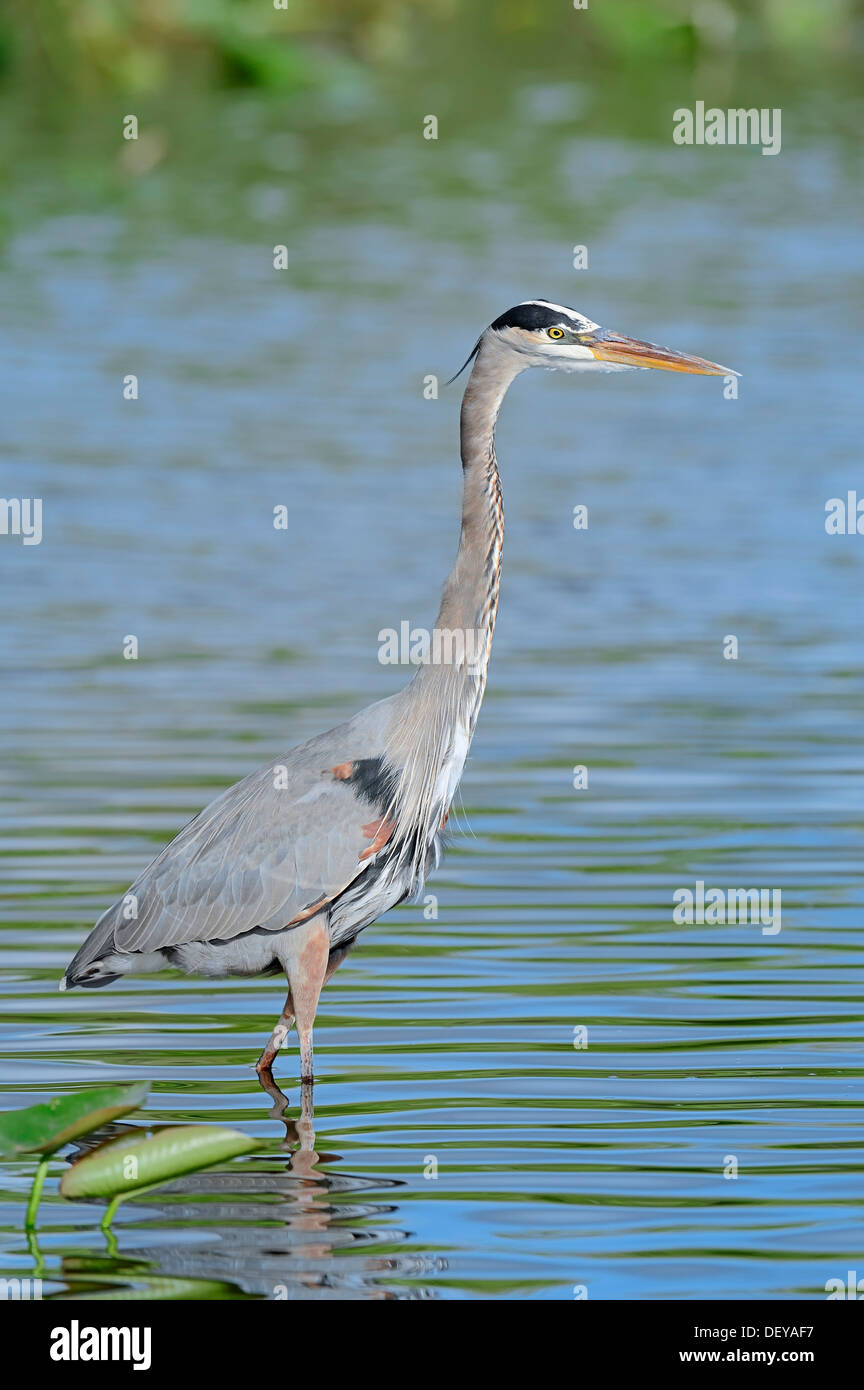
[{"x": 556, "y": 332}]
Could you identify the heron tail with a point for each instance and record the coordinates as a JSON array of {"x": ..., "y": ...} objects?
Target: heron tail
[{"x": 90, "y": 966}]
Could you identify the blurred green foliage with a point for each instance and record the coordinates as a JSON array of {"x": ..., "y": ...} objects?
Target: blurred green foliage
[{"x": 289, "y": 45}]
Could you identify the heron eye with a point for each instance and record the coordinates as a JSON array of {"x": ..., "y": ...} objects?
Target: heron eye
[{"x": 556, "y": 332}]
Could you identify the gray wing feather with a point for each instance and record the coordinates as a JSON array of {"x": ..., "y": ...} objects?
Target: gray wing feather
[{"x": 260, "y": 853}]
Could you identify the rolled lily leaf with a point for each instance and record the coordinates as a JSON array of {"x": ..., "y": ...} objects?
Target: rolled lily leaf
[
  {"x": 44, "y": 1128},
  {"x": 152, "y": 1287},
  {"x": 119, "y": 1169}
]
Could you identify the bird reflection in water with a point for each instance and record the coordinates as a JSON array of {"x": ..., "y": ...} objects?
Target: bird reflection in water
[{"x": 266, "y": 1227}]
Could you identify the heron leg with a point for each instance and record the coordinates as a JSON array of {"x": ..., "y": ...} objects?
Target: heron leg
[
  {"x": 277, "y": 1037},
  {"x": 287, "y": 1017},
  {"x": 306, "y": 959},
  {"x": 337, "y": 955}
]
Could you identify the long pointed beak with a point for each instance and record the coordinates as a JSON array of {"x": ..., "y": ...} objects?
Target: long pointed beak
[{"x": 632, "y": 352}]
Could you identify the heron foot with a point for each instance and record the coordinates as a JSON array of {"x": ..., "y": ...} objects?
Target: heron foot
[{"x": 266, "y": 1060}]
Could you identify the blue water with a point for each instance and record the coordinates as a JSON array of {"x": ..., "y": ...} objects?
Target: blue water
[{"x": 450, "y": 1038}]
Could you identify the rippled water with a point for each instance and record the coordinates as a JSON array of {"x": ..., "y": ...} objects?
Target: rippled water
[{"x": 450, "y": 1040}]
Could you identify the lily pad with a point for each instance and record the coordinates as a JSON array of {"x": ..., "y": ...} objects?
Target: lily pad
[
  {"x": 119, "y": 1169},
  {"x": 47, "y": 1127}
]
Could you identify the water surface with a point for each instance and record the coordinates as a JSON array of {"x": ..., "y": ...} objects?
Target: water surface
[{"x": 448, "y": 1038}]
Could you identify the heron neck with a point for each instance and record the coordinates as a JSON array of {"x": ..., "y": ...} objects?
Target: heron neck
[
  {"x": 470, "y": 599},
  {"x": 429, "y": 743}
]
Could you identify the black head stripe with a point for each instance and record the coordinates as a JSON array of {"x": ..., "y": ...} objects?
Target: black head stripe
[{"x": 529, "y": 316}]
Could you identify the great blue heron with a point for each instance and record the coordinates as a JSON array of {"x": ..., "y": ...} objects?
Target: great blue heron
[{"x": 284, "y": 869}]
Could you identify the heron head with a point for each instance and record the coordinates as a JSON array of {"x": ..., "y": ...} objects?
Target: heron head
[{"x": 553, "y": 336}]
